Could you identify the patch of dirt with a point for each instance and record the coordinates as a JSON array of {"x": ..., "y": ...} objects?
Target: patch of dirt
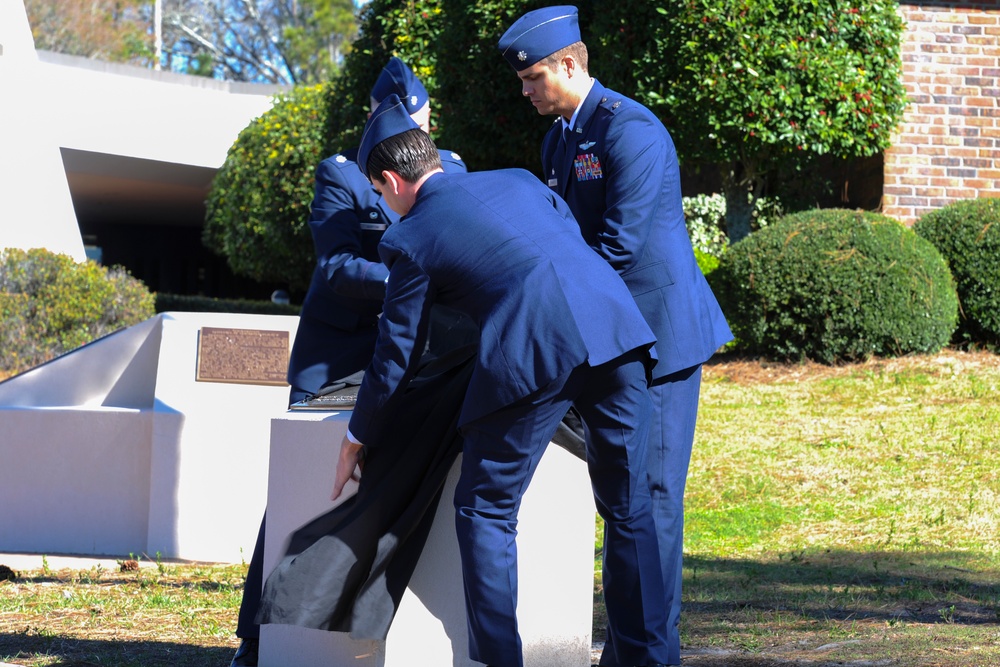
[{"x": 751, "y": 370}]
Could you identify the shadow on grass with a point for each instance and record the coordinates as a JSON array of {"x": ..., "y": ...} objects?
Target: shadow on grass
[
  {"x": 933, "y": 587},
  {"x": 76, "y": 652}
]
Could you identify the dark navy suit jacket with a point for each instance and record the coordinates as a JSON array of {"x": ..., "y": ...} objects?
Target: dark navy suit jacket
[
  {"x": 503, "y": 249},
  {"x": 619, "y": 175}
]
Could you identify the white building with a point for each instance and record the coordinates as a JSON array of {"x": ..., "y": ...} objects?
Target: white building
[{"x": 114, "y": 157}]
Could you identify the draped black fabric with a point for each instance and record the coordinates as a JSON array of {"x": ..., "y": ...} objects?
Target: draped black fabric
[{"x": 347, "y": 570}]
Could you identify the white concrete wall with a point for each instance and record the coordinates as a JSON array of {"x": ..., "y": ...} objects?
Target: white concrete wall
[
  {"x": 555, "y": 564},
  {"x": 115, "y": 448},
  {"x": 74, "y": 480}
]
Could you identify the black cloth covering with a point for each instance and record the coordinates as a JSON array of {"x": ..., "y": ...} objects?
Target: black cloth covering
[{"x": 347, "y": 569}]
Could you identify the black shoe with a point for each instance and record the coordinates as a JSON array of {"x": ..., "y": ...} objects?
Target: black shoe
[{"x": 246, "y": 654}]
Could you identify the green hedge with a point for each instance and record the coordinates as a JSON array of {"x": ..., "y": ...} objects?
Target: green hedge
[
  {"x": 204, "y": 304},
  {"x": 967, "y": 233},
  {"x": 835, "y": 285},
  {"x": 50, "y": 304}
]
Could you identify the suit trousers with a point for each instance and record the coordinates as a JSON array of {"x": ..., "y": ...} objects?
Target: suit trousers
[
  {"x": 500, "y": 454},
  {"x": 671, "y": 436}
]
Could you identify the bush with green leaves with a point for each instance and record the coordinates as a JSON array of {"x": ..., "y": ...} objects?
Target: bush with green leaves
[
  {"x": 751, "y": 89},
  {"x": 50, "y": 304},
  {"x": 834, "y": 285},
  {"x": 967, "y": 233},
  {"x": 705, "y": 216},
  {"x": 257, "y": 212}
]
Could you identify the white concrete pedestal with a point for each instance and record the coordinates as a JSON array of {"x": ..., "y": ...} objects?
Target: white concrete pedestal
[{"x": 555, "y": 562}]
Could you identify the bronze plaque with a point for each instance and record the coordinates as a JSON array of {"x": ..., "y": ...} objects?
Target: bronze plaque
[{"x": 242, "y": 356}]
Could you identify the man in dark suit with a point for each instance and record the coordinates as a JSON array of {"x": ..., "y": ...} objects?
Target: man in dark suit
[
  {"x": 558, "y": 329},
  {"x": 337, "y": 324},
  {"x": 615, "y": 165}
]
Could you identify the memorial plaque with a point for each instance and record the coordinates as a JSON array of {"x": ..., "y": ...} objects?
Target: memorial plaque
[{"x": 242, "y": 356}]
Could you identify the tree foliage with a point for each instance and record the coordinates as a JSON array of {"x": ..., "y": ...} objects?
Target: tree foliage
[
  {"x": 637, "y": 48},
  {"x": 277, "y": 41},
  {"x": 110, "y": 30},
  {"x": 273, "y": 41},
  {"x": 753, "y": 84}
]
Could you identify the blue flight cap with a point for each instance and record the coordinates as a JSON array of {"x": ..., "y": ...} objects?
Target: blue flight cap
[
  {"x": 397, "y": 78},
  {"x": 391, "y": 118},
  {"x": 539, "y": 34}
]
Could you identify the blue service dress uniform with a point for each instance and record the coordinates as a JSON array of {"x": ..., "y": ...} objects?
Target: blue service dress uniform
[
  {"x": 617, "y": 170},
  {"x": 558, "y": 329}
]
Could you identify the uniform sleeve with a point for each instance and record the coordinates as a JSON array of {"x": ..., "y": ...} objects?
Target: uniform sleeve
[
  {"x": 636, "y": 167},
  {"x": 402, "y": 331},
  {"x": 336, "y": 231}
]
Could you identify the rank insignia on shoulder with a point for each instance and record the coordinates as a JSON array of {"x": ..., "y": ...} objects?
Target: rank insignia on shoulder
[
  {"x": 340, "y": 158},
  {"x": 587, "y": 167},
  {"x": 456, "y": 156},
  {"x": 616, "y": 104}
]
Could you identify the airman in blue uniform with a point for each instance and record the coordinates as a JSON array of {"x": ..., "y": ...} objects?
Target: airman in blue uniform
[
  {"x": 615, "y": 165},
  {"x": 558, "y": 330},
  {"x": 336, "y": 333}
]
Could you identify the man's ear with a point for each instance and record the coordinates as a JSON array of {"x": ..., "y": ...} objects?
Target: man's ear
[
  {"x": 569, "y": 62},
  {"x": 393, "y": 181}
]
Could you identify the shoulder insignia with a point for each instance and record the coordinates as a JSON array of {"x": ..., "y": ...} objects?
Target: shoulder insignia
[
  {"x": 456, "y": 156},
  {"x": 340, "y": 158},
  {"x": 616, "y": 104}
]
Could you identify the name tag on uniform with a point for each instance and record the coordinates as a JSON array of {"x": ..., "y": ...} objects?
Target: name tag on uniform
[
  {"x": 374, "y": 226},
  {"x": 553, "y": 182}
]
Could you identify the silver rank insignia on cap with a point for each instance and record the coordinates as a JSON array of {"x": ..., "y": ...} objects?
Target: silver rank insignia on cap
[
  {"x": 413, "y": 100},
  {"x": 340, "y": 158},
  {"x": 522, "y": 56}
]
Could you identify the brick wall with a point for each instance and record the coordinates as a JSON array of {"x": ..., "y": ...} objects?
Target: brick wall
[{"x": 948, "y": 145}]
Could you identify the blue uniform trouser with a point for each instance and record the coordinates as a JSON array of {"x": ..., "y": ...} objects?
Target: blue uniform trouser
[
  {"x": 500, "y": 454},
  {"x": 671, "y": 434}
]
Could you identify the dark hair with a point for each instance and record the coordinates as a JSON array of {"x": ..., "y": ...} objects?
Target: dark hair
[
  {"x": 577, "y": 49},
  {"x": 410, "y": 154}
]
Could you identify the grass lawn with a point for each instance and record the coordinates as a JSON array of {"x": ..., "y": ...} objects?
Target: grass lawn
[{"x": 843, "y": 515}]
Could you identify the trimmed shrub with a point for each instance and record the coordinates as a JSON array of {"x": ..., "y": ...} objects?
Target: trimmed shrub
[
  {"x": 834, "y": 285},
  {"x": 257, "y": 212},
  {"x": 49, "y": 305},
  {"x": 205, "y": 304},
  {"x": 967, "y": 233}
]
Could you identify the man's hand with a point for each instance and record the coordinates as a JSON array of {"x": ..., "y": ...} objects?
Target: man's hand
[{"x": 350, "y": 458}]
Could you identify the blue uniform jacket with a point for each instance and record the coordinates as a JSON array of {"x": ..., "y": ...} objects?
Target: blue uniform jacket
[
  {"x": 501, "y": 248},
  {"x": 347, "y": 221},
  {"x": 619, "y": 175}
]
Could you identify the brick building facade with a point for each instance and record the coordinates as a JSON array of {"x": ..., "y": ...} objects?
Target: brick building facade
[{"x": 948, "y": 144}]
